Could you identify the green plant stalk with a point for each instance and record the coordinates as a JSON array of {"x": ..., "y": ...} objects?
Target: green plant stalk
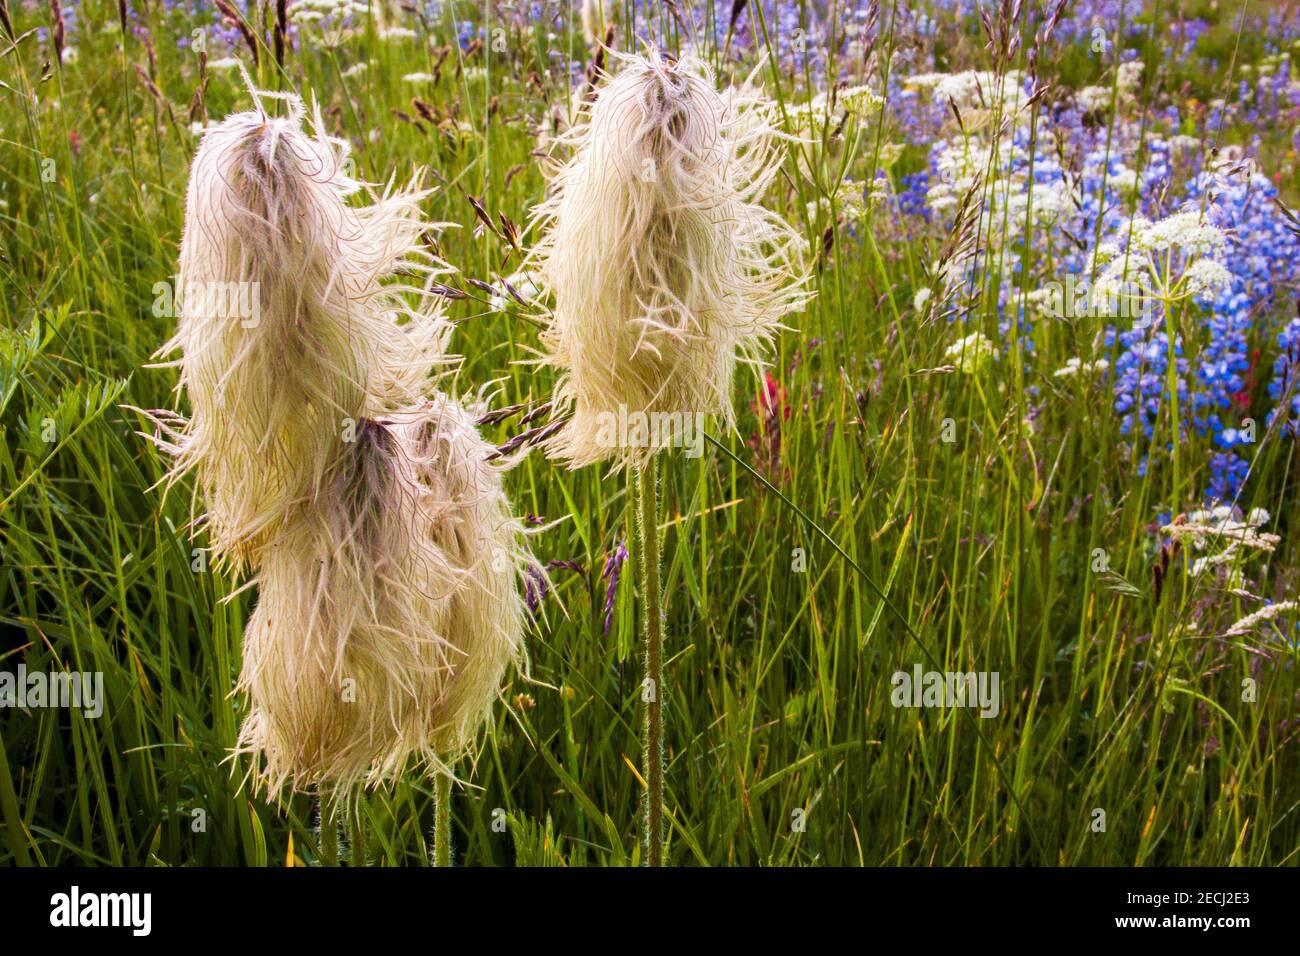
[
  {"x": 357, "y": 830},
  {"x": 442, "y": 819},
  {"x": 328, "y": 834},
  {"x": 652, "y": 741},
  {"x": 15, "y": 835}
]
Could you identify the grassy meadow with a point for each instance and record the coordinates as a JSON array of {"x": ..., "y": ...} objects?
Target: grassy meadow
[{"x": 887, "y": 498}]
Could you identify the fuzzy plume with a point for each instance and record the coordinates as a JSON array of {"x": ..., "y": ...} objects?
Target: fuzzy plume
[
  {"x": 288, "y": 334},
  {"x": 388, "y": 616},
  {"x": 663, "y": 264}
]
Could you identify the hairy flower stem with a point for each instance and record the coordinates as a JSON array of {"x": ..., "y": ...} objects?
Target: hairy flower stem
[
  {"x": 357, "y": 828},
  {"x": 442, "y": 819},
  {"x": 652, "y": 762},
  {"x": 327, "y": 834}
]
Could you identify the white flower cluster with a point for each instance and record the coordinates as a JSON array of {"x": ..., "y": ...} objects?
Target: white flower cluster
[
  {"x": 1220, "y": 520},
  {"x": 1182, "y": 144},
  {"x": 861, "y": 102},
  {"x": 1206, "y": 276},
  {"x": 307, "y": 12},
  {"x": 1094, "y": 99},
  {"x": 811, "y": 117},
  {"x": 1268, "y": 66},
  {"x": 1123, "y": 180},
  {"x": 1009, "y": 198},
  {"x": 327, "y": 23},
  {"x": 972, "y": 353},
  {"x": 853, "y": 198},
  {"x": 1076, "y": 366},
  {"x": 1187, "y": 230},
  {"x": 1174, "y": 258},
  {"x": 1223, "y": 527},
  {"x": 976, "y": 93}
]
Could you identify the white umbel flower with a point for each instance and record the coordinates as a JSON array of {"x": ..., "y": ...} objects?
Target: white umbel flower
[
  {"x": 1076, "y": 366},
  {"x": 972, "y": 353},
  {"x": 1207, "y": 277}
]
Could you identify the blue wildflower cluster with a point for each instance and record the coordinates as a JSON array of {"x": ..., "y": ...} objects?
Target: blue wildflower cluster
[{"x": 1118, "y": 170}]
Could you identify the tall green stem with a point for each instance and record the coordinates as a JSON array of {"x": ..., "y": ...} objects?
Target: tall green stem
[
  {"x": 442, "y": 819},
  {"x": 327, "y": 837},
  {"x": 357, "y": 828},
  {"x": 13, "y": 820},
  {"x": 652, "y": 762}
]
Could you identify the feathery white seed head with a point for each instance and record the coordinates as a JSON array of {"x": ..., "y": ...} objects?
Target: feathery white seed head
[
  {"x": 388, "y": 615},
  {"x": 663, "y": 264},
  {"x": 276, "y": 390}
]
